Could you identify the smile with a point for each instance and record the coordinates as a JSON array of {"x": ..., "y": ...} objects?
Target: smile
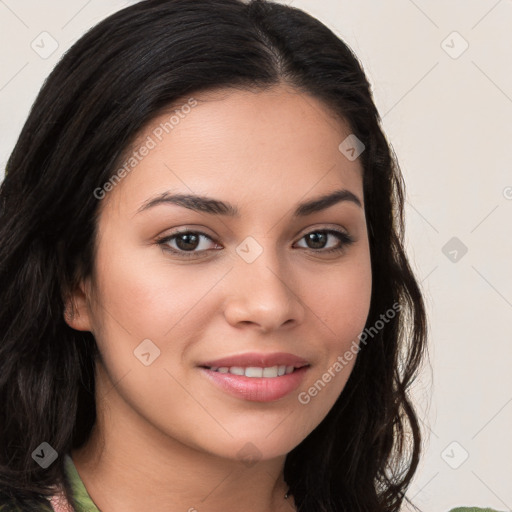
[
  {"x": 257, "y": 377},
  {"x": 255, "y": 371}
]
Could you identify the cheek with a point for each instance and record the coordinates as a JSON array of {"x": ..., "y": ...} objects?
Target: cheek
[
  {"x": 342, "y": 302},
  {"x": 144, "y": 295},
  {"x": 342, "y": 305}
]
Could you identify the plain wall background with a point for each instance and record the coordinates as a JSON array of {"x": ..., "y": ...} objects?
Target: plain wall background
[{"x": 447, "y": 110}]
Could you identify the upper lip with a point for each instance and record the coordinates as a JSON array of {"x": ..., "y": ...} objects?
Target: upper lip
[{"x": 258, "y": 360}]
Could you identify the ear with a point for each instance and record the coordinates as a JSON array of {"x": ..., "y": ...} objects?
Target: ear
[{"x": 77, "y": 311}]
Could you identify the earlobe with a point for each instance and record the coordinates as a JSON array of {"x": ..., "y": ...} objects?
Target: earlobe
[{"x": 76, "y": 310}]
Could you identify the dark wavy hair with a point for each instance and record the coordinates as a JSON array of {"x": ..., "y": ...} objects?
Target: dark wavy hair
[{"x": 119, "y": 76}]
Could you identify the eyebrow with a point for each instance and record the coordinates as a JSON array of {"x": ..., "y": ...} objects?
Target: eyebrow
[{"x": 213, "y": 206}]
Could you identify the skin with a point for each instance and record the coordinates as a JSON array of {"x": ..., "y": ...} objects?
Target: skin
[{"x": 165, "y": 437}]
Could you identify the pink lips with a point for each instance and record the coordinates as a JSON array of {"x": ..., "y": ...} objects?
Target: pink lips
[{"x": 257, "y": 389}]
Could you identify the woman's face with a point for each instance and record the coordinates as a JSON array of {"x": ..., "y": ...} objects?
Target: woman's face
[{"x": 257, "y": 291}]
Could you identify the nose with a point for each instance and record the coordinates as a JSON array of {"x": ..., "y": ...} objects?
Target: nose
[{"x": 263, "y": 294}]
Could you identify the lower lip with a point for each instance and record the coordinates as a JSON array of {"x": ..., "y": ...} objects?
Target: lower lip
[{"x": 257, "y": 389}]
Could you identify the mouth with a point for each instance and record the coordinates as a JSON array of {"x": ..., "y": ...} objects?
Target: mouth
[{"x": 257, "y": 377}]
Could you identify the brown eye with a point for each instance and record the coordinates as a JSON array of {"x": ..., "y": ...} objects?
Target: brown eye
[
  {"x": 317, "y": 240},
  {"x": 186, "y": 243}
]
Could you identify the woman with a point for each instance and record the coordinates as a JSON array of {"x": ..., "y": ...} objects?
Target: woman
[{"x": 206, "y": 299}]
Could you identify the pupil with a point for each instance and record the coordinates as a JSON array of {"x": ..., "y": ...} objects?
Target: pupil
[
  {"x": 187, "y": 238},
  {"x": 314, "y": 237}
]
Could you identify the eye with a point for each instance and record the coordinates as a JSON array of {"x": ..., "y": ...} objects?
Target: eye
[
  {"x": 320, "y": 237},
  {"x": 188, "y": 243}
]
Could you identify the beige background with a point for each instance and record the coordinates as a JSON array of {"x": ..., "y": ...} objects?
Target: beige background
[{"x": 447, "y": 110}]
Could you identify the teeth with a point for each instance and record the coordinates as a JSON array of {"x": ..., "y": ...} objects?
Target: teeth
[
  {"x": 273, "y": 371},
  {"x": 255, "y": 371}
]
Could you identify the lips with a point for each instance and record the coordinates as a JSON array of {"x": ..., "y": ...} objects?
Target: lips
[{"x": 257, "y": 377}]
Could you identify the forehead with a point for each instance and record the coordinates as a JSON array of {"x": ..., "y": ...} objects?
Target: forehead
[{"x": 247, "y": 146}]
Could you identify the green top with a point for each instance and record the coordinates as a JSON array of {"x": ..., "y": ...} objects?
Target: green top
[
  {"x": 472, "y": 509},
  {"x": 85, "y": 503},
  {"x": 80, "y": 494}
]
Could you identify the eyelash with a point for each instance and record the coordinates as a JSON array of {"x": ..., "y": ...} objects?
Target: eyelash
[{"x": 345, "y": 239}]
